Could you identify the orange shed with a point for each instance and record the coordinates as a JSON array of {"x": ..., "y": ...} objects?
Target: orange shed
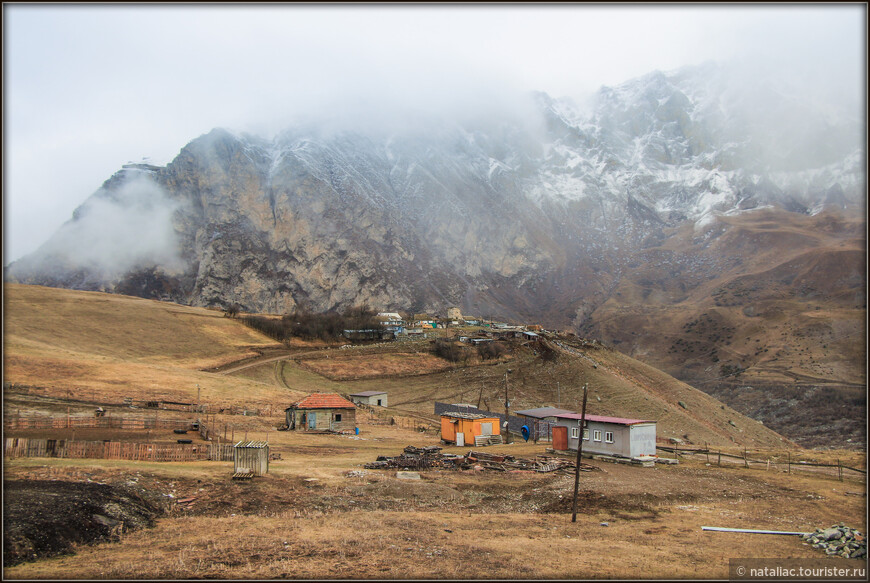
[{"x": 462, "y": 428}]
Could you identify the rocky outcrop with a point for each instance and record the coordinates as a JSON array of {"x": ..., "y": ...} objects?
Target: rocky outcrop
[{"x": 536, "y": 217}]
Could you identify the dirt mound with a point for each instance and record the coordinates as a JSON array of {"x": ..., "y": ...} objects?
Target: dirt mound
[
  {"x": 43, "y": 518},
  {"x": 589, "y": 502}
]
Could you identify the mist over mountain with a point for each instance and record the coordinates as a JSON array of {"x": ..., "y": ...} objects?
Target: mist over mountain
[{"x": 531, "y": 212}]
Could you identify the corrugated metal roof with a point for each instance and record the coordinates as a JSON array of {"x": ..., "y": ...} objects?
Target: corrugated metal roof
[
  {"x": 324, "y": 401},
  {"x": 369, "y": 393},
  {"x": 251, "y": 443},
  {"x": 542, "y": 412},
  {"x": 604, "y": 419},
  {"x": 459, "y": 415}
]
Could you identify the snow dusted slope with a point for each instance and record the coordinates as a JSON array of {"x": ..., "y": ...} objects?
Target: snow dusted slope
[
  {"x": 536, "y": 213},
  {"x": 690, "y": 145}
]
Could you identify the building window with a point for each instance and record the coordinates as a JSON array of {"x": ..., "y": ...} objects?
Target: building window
[
  {"x": 596, "y": 435},
  {"x": 338, "y": 417},
  {"x": 608, "y": 436},
  {"x": 575, "y": 432},
  {"x": 586, "y": 434},
  {"x": 379, "y": 402}
]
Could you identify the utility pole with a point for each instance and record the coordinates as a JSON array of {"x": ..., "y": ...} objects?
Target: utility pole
[
  {"x": 507, "y": 419},
  {"x": 579, "y": 453},
  {"x": 559, "y": 393},
  {"x": 197, "y": 404}
]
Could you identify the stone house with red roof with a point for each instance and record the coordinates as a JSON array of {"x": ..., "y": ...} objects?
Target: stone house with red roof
[{"x": 322, "y": 412}]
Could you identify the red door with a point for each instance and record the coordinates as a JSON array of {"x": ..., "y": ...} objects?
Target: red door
[{"x": 560, "y": 438}]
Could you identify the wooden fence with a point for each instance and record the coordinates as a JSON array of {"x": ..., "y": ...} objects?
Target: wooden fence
[
  {"x": 379, "y": 416},
  {"x": 116, "y": 450},
  {"x": 33, "y": 422},
  {"x": 89, "y": 397},
  {"x": 779, "y": 460}
]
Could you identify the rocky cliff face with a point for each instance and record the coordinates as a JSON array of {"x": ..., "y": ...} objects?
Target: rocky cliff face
[{"x": 535, "y": 217}]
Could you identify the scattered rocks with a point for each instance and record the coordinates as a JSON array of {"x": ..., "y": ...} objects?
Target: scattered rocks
[{"x": 838, "y": 540}]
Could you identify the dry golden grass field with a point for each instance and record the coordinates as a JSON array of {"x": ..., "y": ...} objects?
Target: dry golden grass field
[{"x": 319, "y": 514}]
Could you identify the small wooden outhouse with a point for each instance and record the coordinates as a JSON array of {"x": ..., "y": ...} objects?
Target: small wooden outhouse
[
  {"x": 251, "y": 458},
  {"x": 462, "y": 428}
]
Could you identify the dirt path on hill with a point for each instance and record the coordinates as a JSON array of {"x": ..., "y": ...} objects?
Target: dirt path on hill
[{"x": 264, "y": 360}]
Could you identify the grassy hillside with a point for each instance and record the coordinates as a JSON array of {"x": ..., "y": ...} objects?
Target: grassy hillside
[
  {"x": 117, "y": 346},
  {"x": 770, "y": 300},
  {"x": 112, "y": 346}
]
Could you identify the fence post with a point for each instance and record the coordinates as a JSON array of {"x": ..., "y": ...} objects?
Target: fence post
[
  {"x": 745, "y": 461},
  {"x": 720, "y": 458},
  {"x": 707, "y": 447},
  {"x": 789, "y": 462},
  {"x": 840, "y": 469}
]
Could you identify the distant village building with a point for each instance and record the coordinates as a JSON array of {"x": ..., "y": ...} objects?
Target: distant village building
[
  {"x": 389, "y": 316},
  {"x": 373, "y": 398},
  {"x": 322, "y": 412},
  {"x": 392, "y": 322},
  {"x": 454, "y": 314},
  {"x": 605, "y": 435}
]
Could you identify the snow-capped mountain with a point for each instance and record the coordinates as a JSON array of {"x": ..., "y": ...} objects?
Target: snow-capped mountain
[{"x": 533, "y": 215}]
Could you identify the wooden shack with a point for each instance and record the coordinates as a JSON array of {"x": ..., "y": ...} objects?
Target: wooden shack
[
  {"x": 322, "y": 412},
  {"x": 250, "y": 458},
  {"x": 462, "y": 428}
]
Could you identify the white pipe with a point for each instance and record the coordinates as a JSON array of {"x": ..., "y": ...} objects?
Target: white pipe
[{"x": 722, "y": 529}]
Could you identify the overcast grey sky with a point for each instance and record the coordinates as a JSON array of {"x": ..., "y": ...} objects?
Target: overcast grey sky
[{"x": 88, "y": 88}]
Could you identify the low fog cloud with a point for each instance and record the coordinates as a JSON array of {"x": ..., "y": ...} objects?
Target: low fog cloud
[
  {"x": 94, "y": 86},
  {"x": 119, "y": 230}
]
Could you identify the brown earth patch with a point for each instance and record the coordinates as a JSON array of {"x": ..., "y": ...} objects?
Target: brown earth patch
[
  {"x": 46, "y": 518},
  {"x": 342, "y": 368}
]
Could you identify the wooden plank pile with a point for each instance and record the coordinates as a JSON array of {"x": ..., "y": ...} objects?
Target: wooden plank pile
[
  {"x": 540, "y": 463},
  {"x": 414, "y": 458},
  {"x": 484, "y": 440}
]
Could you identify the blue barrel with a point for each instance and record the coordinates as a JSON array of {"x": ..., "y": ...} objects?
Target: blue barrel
[
  {"x": 356, "y": 430},
  {"x": 525, "y": 431}
]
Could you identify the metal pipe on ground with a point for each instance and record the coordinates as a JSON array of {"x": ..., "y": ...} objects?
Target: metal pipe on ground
[{"x": 749, "y": 530}]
